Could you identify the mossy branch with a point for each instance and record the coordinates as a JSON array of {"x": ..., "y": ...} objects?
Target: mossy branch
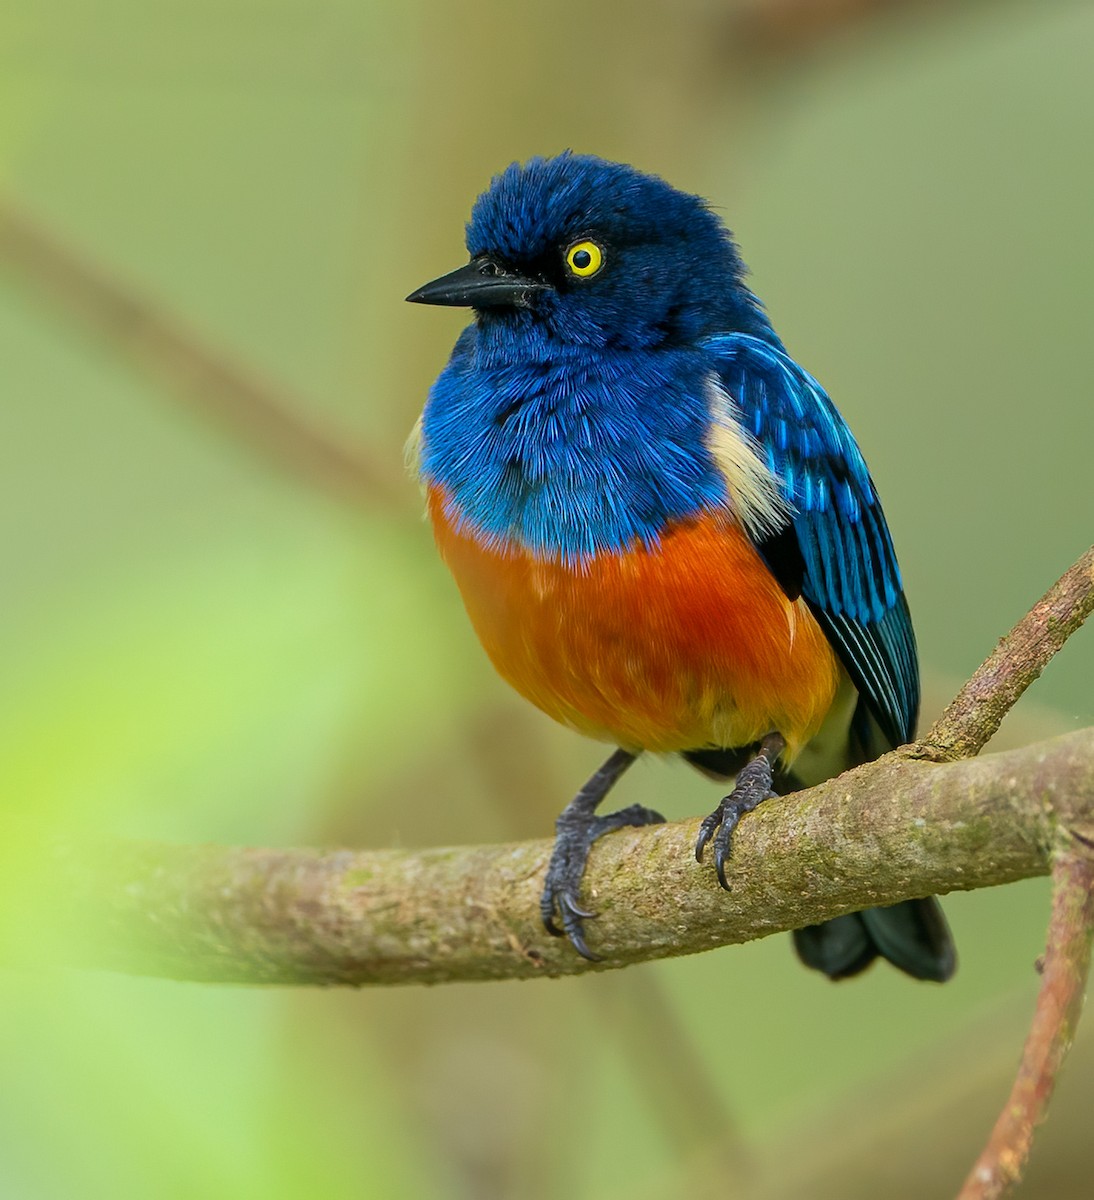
[
  {"x": 887, "y": 831},
  {"x": 914, "y": 823}
]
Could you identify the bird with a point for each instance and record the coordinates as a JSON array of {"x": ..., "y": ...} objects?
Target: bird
[{"x": 663, "y": 531}]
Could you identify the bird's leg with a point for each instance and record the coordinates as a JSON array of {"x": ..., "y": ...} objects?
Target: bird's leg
[
  {"x": 750, "y": 789},
  {"x": 575, "y": 831}
]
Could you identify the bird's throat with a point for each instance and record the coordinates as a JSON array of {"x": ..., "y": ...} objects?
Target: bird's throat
[{"x": 574, "y": 454}]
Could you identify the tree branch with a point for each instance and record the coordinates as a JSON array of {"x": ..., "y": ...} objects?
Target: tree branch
[
  {"x": 910, "y": 824},
  {"x": 882, "y": 833},
  {"x": 1065, "y": 969},
  {"x": 977, "y": 711}
]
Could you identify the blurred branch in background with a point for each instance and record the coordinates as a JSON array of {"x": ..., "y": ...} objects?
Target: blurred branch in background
[
  {"x": 266, "y": 417},
  {"x": 785, "y": 28},
  {"x": 780, "y": 30}
]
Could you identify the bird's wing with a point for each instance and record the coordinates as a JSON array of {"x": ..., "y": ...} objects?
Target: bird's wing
[{"x": 835, "y": 551}]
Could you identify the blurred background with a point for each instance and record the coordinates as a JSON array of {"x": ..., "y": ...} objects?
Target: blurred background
[{"x": 223, "y": 619}]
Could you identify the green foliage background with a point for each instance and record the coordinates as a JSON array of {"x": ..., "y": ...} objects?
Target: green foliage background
[{"x": 197, "y": 645}]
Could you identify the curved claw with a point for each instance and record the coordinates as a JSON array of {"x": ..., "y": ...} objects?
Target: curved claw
[
  {"x": 570, "y": 906},
  {"x": 706, "y": 832},
  {"x": 578, "y": 943},
  {"x": 572, "y": 914},
  {"x": 569, "y": 910},
  {"x": 550, "y": 926},
  {"x": 752, "y": 789},
  {"x": 561, "y": 913},
  {"x": 721, "y": 853},
  {"x": 723, "y": 844},
  {"x": 547, "y": 912}
]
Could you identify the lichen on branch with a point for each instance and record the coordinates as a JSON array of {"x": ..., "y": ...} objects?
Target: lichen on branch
[{"x": 887, "y": 831}]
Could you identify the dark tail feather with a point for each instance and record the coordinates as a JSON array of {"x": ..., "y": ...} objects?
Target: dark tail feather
[
  {"x": 912, "y": 935},
  {"x": 840, "y": 947}
]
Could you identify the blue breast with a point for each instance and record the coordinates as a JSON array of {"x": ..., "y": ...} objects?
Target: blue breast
[{"x": 569, "y": 451}]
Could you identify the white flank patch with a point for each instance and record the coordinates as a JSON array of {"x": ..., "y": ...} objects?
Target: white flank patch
[
  {"x": 753, "y": 490},
  {"x": 412, "y": 451}
]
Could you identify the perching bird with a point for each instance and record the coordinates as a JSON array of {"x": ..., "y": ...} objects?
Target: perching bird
[{"x": 664, "y": 533}]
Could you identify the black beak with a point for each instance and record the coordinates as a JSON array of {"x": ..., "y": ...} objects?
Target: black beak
[{"x": 483, "y": 283}]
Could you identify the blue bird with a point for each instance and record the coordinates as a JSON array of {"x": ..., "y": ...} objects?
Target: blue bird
[{"x": 663, "y": 531}]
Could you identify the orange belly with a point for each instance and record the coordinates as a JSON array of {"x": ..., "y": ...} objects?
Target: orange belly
[{"x": 685, "y": 645}]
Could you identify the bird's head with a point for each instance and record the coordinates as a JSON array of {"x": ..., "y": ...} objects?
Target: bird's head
[{"x": 597, "y": 253}]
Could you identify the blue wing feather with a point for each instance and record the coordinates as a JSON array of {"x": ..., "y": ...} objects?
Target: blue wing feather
[{"x": 841, "y": 555}]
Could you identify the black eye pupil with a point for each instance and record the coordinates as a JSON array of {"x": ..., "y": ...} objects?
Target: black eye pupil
[{"x": 582, "y": 258}]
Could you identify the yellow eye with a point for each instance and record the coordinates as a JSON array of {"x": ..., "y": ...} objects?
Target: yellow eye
[{"x": 584, "y": 259}]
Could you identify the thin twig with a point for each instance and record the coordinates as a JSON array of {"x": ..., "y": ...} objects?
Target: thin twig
[
  {"x": 1066, "y": 968},
  {"x": 272, "y": 419},
  {"x": 977, "y": 711}
]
